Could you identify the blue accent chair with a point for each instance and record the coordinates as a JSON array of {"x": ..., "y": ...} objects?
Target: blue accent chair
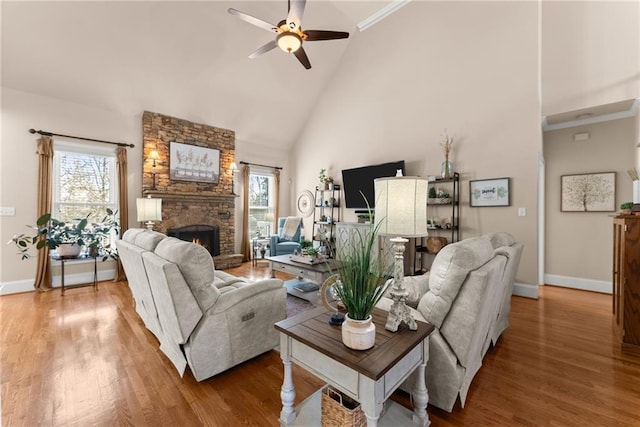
[{"x": 281, "y": 246}]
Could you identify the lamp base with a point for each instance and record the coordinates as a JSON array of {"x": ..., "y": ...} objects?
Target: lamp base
[
  {"x": 399, "y": 311},
  {"x": 149, "y": 225}
]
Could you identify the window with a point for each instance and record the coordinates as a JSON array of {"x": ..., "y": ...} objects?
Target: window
[
  {"x": 261, "y": 202},
  {"x": 84, "y": 181}
]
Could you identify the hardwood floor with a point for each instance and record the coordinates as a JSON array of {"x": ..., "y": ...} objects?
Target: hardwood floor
[{"x": 87, "y": 359}]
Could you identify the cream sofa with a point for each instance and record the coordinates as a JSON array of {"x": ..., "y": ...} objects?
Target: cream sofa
[
  {"x": 208, "y": 319},
  {"x": 467, "y": 296}
]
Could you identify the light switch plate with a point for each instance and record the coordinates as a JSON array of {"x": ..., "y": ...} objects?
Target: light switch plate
[
  {"x": 10, "y": 211},
  {"x": 522, "y": 211}
]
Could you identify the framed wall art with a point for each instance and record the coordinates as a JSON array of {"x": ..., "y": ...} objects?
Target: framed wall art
[
  {"x": 489, "y": 192},
  {"x": 192, "y": 163},
  {"x": 588, "y": 192}
]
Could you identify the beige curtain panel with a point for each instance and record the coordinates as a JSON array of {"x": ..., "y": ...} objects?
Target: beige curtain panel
[
  {"x": 123, "y": 204},
  {"x": 246, "y": 247},
  {"x": 276, "y": 210},
  {"x": 42, "y": 282}
]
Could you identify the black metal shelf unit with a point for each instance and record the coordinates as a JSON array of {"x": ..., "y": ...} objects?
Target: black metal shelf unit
[{"x": 325, "y": 216}]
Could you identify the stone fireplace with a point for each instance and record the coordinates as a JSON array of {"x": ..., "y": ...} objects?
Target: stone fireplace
[{"x": 188, "y": 206}]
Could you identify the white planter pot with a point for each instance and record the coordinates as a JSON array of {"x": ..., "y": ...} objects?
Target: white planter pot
[
  {"x": 358, "y": 334},
  {"x": 69, "y": 249}
]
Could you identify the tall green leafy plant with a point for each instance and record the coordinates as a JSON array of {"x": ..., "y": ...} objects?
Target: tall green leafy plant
[{"x": 362, "y": 277}]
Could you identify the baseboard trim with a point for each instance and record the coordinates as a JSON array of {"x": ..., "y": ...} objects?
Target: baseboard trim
[
  {"x": 579, "y": 283},
  {"x": 525, "y": 290},
  {"x": 19, "y": 286}
]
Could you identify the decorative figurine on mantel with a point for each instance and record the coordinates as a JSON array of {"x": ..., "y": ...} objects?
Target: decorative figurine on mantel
[{"x": 447, "y": 166}]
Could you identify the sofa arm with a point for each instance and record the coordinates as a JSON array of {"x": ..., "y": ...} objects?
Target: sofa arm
[
  {"x": 250, "y": 290},
  {"x": 275, "y": 239}
]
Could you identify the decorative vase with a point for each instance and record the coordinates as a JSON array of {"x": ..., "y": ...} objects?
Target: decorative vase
[
  {"x": 447, "y": 168},
  {"x": 69, "y": 249},
  {"x": 358, "y": 334}
]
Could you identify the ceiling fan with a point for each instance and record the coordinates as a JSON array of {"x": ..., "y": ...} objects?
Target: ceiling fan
[{"x": 289, "y": 33}]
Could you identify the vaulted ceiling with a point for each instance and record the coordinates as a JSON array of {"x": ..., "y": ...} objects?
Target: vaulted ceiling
[{"x": 181, "y": 58}]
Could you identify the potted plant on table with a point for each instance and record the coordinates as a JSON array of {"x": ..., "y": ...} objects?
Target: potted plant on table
[
  {"x": 625, "y": 208},
  {"x": 68, "y": 238},
  {"x": 359, "y": 281}
]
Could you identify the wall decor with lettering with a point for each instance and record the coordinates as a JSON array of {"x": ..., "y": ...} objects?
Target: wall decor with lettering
[{"x": 489, "y": 192}]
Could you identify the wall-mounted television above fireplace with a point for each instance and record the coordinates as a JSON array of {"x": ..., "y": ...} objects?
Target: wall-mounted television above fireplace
[{"x": 360, "y": 179}]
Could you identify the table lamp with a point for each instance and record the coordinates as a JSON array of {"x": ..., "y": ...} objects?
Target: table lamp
[
  {"x": 149, "y": 210},
  {"x": 400, "y": 210}
]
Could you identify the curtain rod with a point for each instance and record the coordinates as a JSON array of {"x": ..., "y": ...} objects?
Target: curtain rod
[
  {"x": 45, "y": 133},
  {"x": 264, "y": 166}
]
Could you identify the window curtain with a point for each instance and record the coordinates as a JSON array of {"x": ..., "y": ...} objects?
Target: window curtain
[
  {"x": 276, "y": 202},
  {"x": 42, "y": 281},
  {"x": 246, "y": 248},
  {"x": 123, "y": 204}
]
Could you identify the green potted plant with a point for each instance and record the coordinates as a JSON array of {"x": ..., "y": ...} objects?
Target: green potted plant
[
  {"x": 361, "y": 280},
  {"x": 68, "y": 238},
  {"x": 98, "y": 236},
  {"x": 625, "y": 208},
  {"x": 322, "y": 176},
  {"x": 326, "y": 182}
]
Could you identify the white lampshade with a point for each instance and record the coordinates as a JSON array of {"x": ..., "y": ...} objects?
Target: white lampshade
[
  {"x": 149, "y": 209},
  {"x": 233, "y": 167},
  {"x": 401, "y": 206}
]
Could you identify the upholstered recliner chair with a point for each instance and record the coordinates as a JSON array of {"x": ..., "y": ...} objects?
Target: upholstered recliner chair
[
  {"x": 288, "y": 238},
  {"x": 205, "y": 318}
]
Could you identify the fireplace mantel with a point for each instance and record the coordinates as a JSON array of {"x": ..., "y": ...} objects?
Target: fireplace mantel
[{"x": 188, "y": 196}]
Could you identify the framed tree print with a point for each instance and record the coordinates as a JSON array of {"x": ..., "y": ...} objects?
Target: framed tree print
[{"x": 588, "y": 192}]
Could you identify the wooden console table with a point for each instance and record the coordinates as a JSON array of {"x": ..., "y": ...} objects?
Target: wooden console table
[{"x": 369, "y": 376}]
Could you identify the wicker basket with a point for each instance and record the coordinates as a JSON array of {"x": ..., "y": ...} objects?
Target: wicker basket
[
  {"x": 339, "y": 410},
  {"x": 434, "y": 244}
]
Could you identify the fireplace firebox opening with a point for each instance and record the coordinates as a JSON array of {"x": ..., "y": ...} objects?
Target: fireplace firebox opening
[{"x": 201, "y": 234}]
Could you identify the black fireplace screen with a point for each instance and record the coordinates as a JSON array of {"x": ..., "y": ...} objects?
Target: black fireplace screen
[{"x": 203, "y": 235}]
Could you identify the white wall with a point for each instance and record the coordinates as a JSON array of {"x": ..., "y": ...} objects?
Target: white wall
[
  {"x": 579, "y": 249},
  {"x": 468, "y": 67},
  {"x": 590, "y": 53}
]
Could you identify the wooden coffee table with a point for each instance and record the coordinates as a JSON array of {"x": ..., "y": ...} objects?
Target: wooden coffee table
[
  {"x": 369, "y": 376},
  {"x": 316, "y": 273}
]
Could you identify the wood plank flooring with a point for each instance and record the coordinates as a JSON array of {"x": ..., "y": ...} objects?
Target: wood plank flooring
[{"x": 86, "y": 359}]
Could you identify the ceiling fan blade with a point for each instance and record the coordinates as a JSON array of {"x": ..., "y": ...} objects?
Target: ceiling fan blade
[
  {"x": 302, "y": 57},
  {"x": 263, "y": 49},
  {"x": 317, "y": 35},
  {"x": 253, "y": 20},
  {"x": 296, "y": 10}
]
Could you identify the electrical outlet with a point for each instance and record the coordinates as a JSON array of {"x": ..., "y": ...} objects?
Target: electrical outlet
[
  {"x": 522, "y": 211},
  {"x": 11, "y": 211}
]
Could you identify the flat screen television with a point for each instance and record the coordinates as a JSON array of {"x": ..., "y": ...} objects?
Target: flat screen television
[{"x": 360, "y": 179}]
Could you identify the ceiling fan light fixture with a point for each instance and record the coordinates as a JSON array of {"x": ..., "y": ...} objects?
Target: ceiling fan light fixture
[{"x": 289, "y": 42}]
